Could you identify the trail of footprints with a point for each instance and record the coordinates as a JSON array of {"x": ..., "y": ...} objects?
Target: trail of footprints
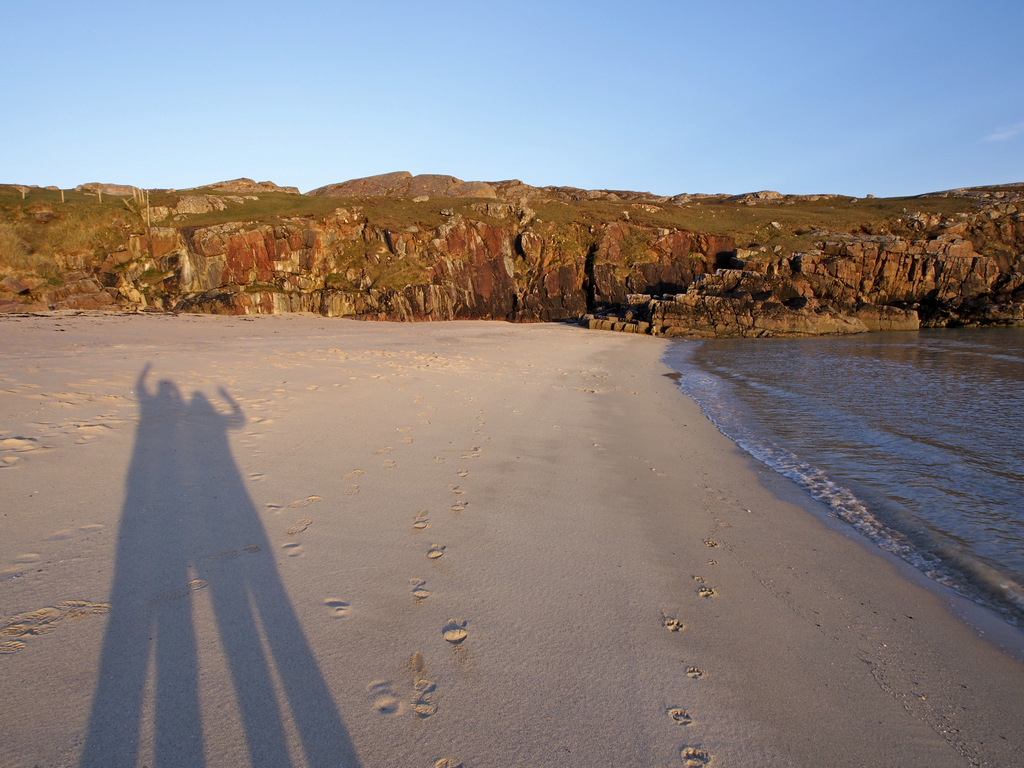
[
  {"x": 420, "y": 698},
  {"x": 691, "y": 756},
  {"x": 24, "y": 626}
]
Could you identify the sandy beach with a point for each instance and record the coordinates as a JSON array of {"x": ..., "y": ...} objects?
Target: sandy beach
[{"x": 297, "y": 541}]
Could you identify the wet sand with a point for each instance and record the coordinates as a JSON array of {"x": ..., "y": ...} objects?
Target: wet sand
[{"x": 300, "y": 541}]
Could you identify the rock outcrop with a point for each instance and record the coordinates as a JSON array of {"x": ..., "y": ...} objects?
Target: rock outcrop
[
  {"x": 403, "y": 247},
  {"x": 345, "y": 265},
  {"x": 404, "y": 184},
  {"x": 116, "y": 190},
  {"x": 249, "y": 186},
  {"x": 849, "y": 285}
]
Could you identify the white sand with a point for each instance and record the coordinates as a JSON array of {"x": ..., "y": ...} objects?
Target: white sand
[{"x": 260, "y": 516}]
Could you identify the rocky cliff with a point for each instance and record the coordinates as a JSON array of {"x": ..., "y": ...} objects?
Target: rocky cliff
[
  {"x": 403, "y": 247},
  {"x": 495, "y": 261},
  {"x": 850, "y": 285}
]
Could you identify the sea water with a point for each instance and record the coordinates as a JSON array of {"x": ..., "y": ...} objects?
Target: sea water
[{"x": 914, "y": 439}]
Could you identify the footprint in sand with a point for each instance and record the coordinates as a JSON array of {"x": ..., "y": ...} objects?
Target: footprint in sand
[
  {"x": 454, "y": 631},
  {"x": 303, "y": 502},
  {"x": 352, "y": 489},
  {"x": 680, "y": 715},
  {"x": 463, "y": 473},
  {"x": 694, "y": 757},
  {"x": 460, "y": 506},
  {"x": 382, "y": 451},
  {"x": 435, "y": 551},
  {"x": 407, "y": 441},
  {"x": 292, "y": 549},
  {"x": 353, "y": 474},
  {"x": 706, "y": 591},
  {"x": 439, "y": 459},
  {"x": 694, "y": 673},
  {"x": 390, "y": 464},
  {"x": 448, "y": 762},
  {"x": 19, "y": 444},
  {"x": 457, "y": 490},
  {"x": 384, "y": 701},
  {"x": 300, "y": 525},
  {"x": 337, "y": 608},
  {"x": 712, "y": 562},
  {"x": 710, "y": 543},
  {"x": 62, "y": 535},
  {"x": 227, "y": 554},
  {"x": 672, "y": 624},
  {"x": 44, "y": 620},
  {"x": 419, "y": 589},
  {"x": 423, "y": 703},
  {"x": 421, "y": 521},
  {"x": 176, "y": 594}
]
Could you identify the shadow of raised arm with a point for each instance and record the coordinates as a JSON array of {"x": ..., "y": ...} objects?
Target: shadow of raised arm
[
  {"x": 237, "y": 418},
  {"x": 141, "y": 388}
]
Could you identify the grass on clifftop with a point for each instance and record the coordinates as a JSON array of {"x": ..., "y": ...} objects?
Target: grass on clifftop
[{"x": 751, "y": 225}]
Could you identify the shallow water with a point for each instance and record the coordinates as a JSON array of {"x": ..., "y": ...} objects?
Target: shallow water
[{"x": 916, "y": 439}]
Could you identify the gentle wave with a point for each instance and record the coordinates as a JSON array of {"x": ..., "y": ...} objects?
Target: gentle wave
[{"x": 904, "y": 462}]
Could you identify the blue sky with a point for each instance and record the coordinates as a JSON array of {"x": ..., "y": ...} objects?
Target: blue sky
[{"x": 889, "y": 98}]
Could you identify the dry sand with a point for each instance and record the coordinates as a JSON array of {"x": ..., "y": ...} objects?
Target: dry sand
[{"x": 297, "y": 541}]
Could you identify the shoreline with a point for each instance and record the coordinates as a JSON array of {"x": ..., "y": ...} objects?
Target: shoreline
[
  {"x": 978, "y": 582},
  {"x": 631, "y": 587}
]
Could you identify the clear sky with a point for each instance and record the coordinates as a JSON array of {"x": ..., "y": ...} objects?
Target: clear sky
[{"x": 889, "y": 97}]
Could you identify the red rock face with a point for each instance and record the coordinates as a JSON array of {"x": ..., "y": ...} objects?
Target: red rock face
[
  {"x": 507, "y": 265},
  {"x": 885, "y": 270}
]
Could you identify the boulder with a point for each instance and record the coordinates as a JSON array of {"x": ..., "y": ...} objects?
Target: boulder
[
  {"x": 888, "y": 318},
  {"x": 194, "y": 204},
  {"x": 15, "y": 286},
  {"x": 114, "y": 190}
]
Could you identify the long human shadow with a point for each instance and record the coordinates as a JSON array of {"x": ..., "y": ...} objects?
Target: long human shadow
[{"x": 187, "y": 525}]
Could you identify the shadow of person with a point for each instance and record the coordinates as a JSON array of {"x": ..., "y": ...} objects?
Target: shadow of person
[{"x": 188, "y": 524}]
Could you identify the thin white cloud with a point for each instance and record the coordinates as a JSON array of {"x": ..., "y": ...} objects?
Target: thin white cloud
[{"x": 1006, "y": 132}]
